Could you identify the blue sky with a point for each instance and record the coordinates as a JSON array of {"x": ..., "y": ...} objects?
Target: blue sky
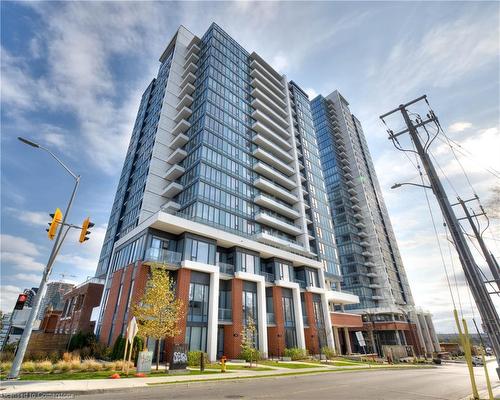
[{"x": 73, "y": 74}]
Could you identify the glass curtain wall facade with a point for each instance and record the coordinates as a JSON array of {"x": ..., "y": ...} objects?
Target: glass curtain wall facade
[
  {"x": 368, "y": 253},
  {"x": 129, "y": 194}
]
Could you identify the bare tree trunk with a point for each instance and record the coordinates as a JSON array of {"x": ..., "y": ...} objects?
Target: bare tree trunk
[{"x": 157, "y": 353}]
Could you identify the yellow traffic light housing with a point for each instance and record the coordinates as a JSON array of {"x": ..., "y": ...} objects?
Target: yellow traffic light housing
[
  {"x": 85, "y": 226},
  {"x": 56, "y": 220}
]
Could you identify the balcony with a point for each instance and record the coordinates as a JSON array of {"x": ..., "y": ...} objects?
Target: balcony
[
  {"x": 364, "y": 243},
  {"x": 276, "y": 118},
  {"x": 273, "y": 240},
  {"x": 186, "y": 101},
  {"x": 269, "y": 73},
  {"x": 181, "y": 127},
  {"x": 275, "y": 222},
  {"x": 272, "y": 160},
  {"x": 367, "y": 254},
  {"x": 377, "y": 298},
  {"x": 278, "y": 107},
  {"x": 174, "y": 172},
  {"x": 172, "y": 189},
  {"x": 277, "y": 191},
  {"x": 276, "y": 205},
  {"x": 259, "y": 127},
  {"x": 358, "y": 216},
  {"x": 179, "y": 141},
  {"x": 171, "y": 207},
  {"x": 270, "y": 123},
  {"x": 271, "y": 87},
  {"x": 271, "y": 94},
  {"x": 184, "y": 113},
  {"x": 370, "y": 264},
  {"x": 375, "y": 286},
  {"x": 268, "y": 145},
  {"x": 193, "y": 49},
  {"x": 268, "y": 277},
  {"x": 361, "y": 225},
  {"x": 225, "y": 314},
  {"x": 162, "y": 256},
  {"x": 351, "y": 191},
  {"x": 274, "y": 175},
  {"x": 372, "y": 275},
  {"x": 189, "y": 78},
  {"x": 355, "y": 207},
  {"x": 191, "y": 68},
  {"x": 188, "y": 89},
  {"x": 362, "y": 234},
  {"x": 176, "y": 156},
  {"x": 193, "y": 58},
  {"x": 302, "y": 283},
  {"x": 225, "y": 268}
]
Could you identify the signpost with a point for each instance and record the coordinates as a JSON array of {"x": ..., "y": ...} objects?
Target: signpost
[{"x": 144, "y": 362}]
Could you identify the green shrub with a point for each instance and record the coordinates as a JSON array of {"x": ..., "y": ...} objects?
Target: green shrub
[
  {"x": 328, "y": 352},
  {"x": 44, "y": 366},
  {"x": 63, "y": 366},
  {"x": 90, "y": 364},
  {"x": 28, "y": 366},
  {"x": 81, "y": 340},
  {"x": 250, "y": 354},
  {"x": 295, "y": 353},
  {"x": 119, "y": 348},
  {"x": 194, "y": 358},
  {"x": 5, "y": 366}
]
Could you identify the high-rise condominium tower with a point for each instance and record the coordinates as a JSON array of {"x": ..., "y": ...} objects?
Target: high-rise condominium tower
[
  {"x": 368, "y": 252},
  {"x": 222, "y": 186}
]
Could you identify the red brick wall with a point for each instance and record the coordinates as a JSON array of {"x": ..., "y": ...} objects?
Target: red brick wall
[
  {"x": 232, "y": 343},
  {"x": 110, "y": 307},
  {"x": 120, "y": 313},
  {"x": 340, "y": 320},
  {"x": 276, "y": 344},
  {"x": 311, "y": 333}
]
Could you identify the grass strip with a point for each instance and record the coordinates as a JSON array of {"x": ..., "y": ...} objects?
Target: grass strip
[
  {"x": 290, "y": 365},
  {"x": 100, "y": 375}
]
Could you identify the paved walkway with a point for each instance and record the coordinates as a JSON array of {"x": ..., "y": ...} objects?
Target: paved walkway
[{"x": 10, "y": 388}]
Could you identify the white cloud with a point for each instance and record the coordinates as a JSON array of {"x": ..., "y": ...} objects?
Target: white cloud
[
  {"x": 38, "y": 218},
  {"x": 8, "y": 297},
  {"x": 311, "y": 93},
  {"x": 16, "y": 244},
  {"x": 459, "y": 127}
]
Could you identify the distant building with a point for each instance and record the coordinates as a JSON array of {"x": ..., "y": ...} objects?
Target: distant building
[
  {"x": 77, "y": 314},
  {"x": 4, "y": 332},
  {"x": 371, "y": 265},
  {"x": 53, "y": 297}
]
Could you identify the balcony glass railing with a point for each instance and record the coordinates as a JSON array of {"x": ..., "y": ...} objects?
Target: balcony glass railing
[
  {"x": 225, "y": 268},
  {"x": 163, "y": 256},
  {"x": 225, "y": 314},
  {"x": 301, "y": 282},
  {"x": 268, "y": 276},
  {"x": 271, "y": 319}
]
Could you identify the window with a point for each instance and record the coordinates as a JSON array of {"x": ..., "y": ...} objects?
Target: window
[{"x": 198, "y": 302}]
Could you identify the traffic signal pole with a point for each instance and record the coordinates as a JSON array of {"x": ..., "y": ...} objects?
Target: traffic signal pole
[
  {"x": 23, "y": 343},
  {"x": 489, "y": 315}
]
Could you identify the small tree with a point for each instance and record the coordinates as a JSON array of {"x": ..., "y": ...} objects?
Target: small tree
[
  {"x": 248, "y": 350},
  {"x": 158, "y": 312}
]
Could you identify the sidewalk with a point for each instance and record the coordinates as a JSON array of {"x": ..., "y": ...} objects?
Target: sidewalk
[{"x": 92, "y": 386}]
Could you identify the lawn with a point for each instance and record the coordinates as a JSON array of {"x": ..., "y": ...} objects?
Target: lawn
[
  {"x": 289, "y": 365},
  {"x": 97, "y": 375},
  {"x": 239, "y": 367}
]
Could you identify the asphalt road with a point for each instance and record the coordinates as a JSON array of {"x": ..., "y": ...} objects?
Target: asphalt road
[{"x": 445, "y": 382}]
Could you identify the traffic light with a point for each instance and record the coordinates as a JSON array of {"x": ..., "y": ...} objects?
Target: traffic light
[
  {"x": 21, "y": 299},
  {"x": 56, "y": 220},
  {"x": 85, "y": 226}
]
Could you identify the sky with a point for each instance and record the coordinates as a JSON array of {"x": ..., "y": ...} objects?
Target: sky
[{"x": 72, "y": 75}]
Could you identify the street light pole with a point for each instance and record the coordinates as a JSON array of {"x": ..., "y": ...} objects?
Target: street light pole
[{"x": 23, "y": 343}]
